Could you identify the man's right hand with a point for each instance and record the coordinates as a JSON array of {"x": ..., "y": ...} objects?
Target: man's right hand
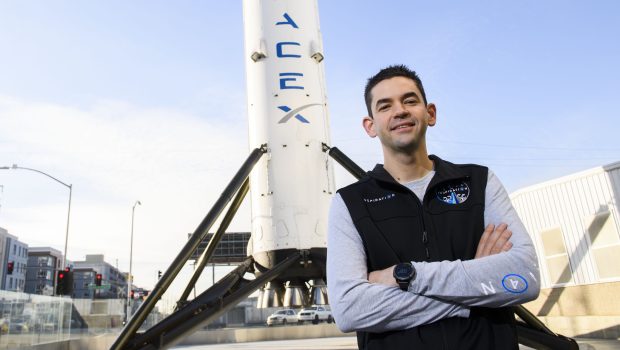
[{"x": 494, "y": 240}]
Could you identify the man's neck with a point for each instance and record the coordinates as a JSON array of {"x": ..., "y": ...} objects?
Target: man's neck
[{"x": 408, "y": 167}]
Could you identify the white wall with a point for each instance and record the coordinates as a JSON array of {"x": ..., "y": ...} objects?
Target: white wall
[{"x": 579, "y": 209}]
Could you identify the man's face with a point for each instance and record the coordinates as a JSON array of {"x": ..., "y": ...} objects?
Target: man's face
[{"x": 400, "y": 118}]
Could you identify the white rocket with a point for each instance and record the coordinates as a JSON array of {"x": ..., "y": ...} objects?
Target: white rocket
[
  {"x": 292, "y": 185},
  {"x": 290, "y": 178}
]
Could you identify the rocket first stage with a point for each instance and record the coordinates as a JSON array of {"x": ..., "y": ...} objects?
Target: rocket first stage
[
  {"x": 291, "y": 187},
  {"x": 288, "y": 173}
]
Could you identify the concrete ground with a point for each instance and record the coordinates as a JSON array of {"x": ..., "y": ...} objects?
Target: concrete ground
[{"x": 349, "y": 343}]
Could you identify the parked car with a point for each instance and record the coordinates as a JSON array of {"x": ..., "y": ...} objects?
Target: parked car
[
  {"x": 315, "y": 314},
  {"x": 282, "y": 317},
  {"x": 18, "y": 325}
]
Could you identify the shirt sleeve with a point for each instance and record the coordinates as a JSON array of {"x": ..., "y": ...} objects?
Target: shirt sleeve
[
  {"x": 504, "y": 279},
  {"x": 358, "y": 305}
]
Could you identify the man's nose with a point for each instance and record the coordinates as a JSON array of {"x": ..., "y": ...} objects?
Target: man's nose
[{"x": 400, "y": 110}]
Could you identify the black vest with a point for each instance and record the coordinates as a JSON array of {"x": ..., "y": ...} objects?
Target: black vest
[{"x": 396, "y": 226}]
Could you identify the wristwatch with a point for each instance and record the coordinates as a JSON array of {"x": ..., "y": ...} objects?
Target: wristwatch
[{"x": 404, "y": 273}]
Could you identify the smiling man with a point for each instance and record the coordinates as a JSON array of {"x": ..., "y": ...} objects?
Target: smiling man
[{"x": 424, "y": 253}]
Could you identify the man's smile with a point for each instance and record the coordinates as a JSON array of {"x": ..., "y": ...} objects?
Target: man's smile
[{"x": 403, "y": 126}]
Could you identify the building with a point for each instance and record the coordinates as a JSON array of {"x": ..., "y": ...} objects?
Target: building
[
  {"x": 113, "y": 282},
  {"x": 83, "y": 283},
  {"x": 574, "y": 222},
  {"x": 14, "y": 260},
  {"x": 3, "y": 257},
  {"x": 43, "y": 262}
]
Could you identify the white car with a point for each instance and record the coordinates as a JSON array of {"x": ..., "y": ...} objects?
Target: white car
[
  {"x": 282, "y": 317},
  {"x": 315, "y": 314}
]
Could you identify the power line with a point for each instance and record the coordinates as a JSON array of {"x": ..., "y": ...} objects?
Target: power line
[
  {"x": 495, "y": 145},
  {"x": 526, "y": 147}
]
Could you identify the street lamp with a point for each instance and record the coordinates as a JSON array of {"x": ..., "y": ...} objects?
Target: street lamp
[
  {"x": 133, "y": 210},
  {"x": 70, "y": 187}
]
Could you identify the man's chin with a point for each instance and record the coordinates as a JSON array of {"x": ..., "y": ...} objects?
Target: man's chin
[{"x": 405, "y": 147}]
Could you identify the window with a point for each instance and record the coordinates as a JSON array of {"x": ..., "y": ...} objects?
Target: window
[
  {"x": 44, "y": 261},
  {"x": 558, "y": 265},
  {"x": 605, "y": 244}
]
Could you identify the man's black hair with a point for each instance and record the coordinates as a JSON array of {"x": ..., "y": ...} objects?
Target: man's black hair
[{"x": 398, "y": 70}]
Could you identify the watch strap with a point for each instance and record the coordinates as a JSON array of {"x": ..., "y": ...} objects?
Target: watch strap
[{"x": 404, "y": 285}]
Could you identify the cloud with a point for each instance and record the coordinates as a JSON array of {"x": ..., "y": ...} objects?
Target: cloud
[{"x": 114, "y": 153}]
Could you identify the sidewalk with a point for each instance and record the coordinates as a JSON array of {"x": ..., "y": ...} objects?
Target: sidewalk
[
  {"x": 598, "y": 344},
  {"x": 349, "y": 343}
]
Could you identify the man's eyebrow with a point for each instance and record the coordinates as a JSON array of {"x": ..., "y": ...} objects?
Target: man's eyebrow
[
  {"x": 383, "y": 100},
  {"x": 410, "y": 94},
  {"x": 387, "y": 100}
]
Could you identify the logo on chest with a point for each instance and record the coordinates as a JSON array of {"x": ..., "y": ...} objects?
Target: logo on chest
[
  {"x": 453, "y": 193},
  {"x": 379, "y": 199}
]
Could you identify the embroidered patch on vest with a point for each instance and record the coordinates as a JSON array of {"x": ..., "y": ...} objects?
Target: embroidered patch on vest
[
  {"x": 453, "y": 193},
  {"x": 378, "y": 199}
]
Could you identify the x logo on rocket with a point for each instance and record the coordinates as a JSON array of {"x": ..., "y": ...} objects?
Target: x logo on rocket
[{"x": 295, "y": 113}]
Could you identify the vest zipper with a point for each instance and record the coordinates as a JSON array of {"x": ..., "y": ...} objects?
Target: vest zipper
[
  {"x": 425, "y": 241},
  {"x": 422, "y": 223}
]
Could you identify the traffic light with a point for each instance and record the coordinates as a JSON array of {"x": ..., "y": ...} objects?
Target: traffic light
[
  {"x": 61, "y": 282},
  {"x": 133, "y": 293},
  {"x": 159, "y": 274},
  {"x": 64, "y": 282},
  {"x": 98, "y": 278},
  {"x": 9, "y": 267}
]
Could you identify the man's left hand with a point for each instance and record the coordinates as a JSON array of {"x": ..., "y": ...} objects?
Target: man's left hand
[{"x": 385, "y": 276}]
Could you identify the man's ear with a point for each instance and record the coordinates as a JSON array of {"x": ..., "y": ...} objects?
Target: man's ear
[
  {"x": 369, "y": 125},
  {"x": 432, "y": 113}
]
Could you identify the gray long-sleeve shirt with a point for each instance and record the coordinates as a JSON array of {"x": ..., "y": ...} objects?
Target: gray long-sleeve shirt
[{"x": 441, "y": 289}]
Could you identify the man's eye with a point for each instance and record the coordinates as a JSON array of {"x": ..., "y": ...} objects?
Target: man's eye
[
  {"x": 411, "y": 101},
  {"x": 383, "y": 108}
]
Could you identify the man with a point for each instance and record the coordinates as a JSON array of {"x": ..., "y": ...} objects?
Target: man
[{"x": 423, "y": 253}]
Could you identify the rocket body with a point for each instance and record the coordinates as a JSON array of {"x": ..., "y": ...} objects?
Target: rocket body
[{"x": 292, "y": 185}]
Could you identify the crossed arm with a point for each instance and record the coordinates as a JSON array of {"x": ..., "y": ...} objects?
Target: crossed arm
[
  {"x": 371, "y": 300},
  {"x": 494, "y": 240},
  {"x": 357, "y": 304}
]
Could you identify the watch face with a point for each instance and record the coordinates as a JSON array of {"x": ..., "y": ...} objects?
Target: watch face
[{"x": 402, "y": 271}]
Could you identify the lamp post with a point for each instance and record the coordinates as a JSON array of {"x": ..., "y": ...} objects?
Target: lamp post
[
  {"x": 133, "y": 210},
  {"x": 69, "y": 186}
]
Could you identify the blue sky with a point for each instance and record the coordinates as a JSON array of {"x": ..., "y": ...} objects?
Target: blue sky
[{"x": 145, "y": 100}]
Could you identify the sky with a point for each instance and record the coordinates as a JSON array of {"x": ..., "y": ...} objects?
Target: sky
[{"x": 145, "y": 100}]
